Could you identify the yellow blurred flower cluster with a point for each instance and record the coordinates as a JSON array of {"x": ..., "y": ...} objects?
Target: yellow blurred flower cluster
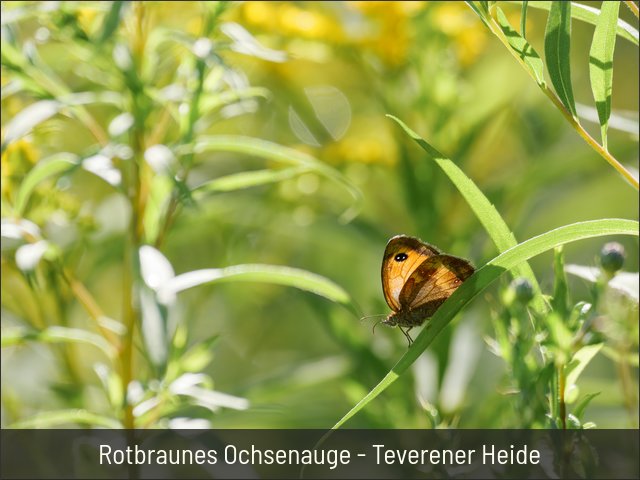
[
  {"x": 369, "y": 141},
  {"x": 16, "y": 161},
  {"x": 289, "y": 19},
  {"x": 457, "y": 21}
]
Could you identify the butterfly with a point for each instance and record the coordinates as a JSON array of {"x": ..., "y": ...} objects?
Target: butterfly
[{"x": 416, "y": 279}]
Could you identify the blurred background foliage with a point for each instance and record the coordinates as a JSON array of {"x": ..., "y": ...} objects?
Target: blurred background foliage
[{"x": 149, "y": 83}]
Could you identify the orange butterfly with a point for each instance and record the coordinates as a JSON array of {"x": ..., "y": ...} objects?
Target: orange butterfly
[{"x": 417, "y": 278}]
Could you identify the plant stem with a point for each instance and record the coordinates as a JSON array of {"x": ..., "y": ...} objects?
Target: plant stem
[
  {"x": 633, "y": 7},
  {"x": 604, "y": 153},
  {"x": 561, "y": 387}
]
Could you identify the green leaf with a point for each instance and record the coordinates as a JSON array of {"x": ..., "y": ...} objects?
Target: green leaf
[
  {"x": 601, "y": 63},
  {"x": 590, "y": 15},
  {"x": 281, "y": 154},
  {"x": 480, "y": 280},
  {"x": 525, "y": 51},
  {"x": 55, "y": 334},
  {"x": 493, "y": 223},
  {"x": 198, "y": 356},
  {"x": 111, "y": 20},
  {"x": 278, "y": 275},
  {"x": 53, "y": 165},
  {"x": 560, "y": 302},
  {"x": 28, "y": 119},
  {"x": 557, "y": 48},
  {"x": 155, "y": 211},
  {"x": 523, "y": 19},
  {"x": 578, "y": 363},
  {"x": 238, "y": 181},
  {"x": 583, "y": 403},
  {"x": 61, "y": 417},
  {"x": 478, "y": 11}
]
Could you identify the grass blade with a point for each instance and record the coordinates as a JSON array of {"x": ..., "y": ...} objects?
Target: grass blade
[
  {"x": 480, "y": 280},
  {"x": 601, "y": 63},
  {"x": 493, "y": 223},
  {"x": 557, "y": 49}
]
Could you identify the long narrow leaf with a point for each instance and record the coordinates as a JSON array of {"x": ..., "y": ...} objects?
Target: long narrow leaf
[
  {"x": 238, "y": 181},
  {"x": 61, "y": 417},
  {"x": 28, "y": 119},
  {"x": 493, "y": 223},
  {"x": 281, "y": 154},
  {"x": 588, "y": 14},
  {"x": 46, "y": 168},
  {"x": 55, "y": 334},
  {"x": 601, "y": 63},
  {"x": 275, "y": 274},
  {"x": 480, "y": 280},
  {"x": 557, "y": 49},
  {"x": 526, "y": 52}
]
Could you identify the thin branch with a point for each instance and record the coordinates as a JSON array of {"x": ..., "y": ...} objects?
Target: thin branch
[{"x": 497, "y": 31}]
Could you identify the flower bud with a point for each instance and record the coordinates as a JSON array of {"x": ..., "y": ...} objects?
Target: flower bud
[
  {"x": 612, "y": 257},
  {"x": 523, "y": 290}
]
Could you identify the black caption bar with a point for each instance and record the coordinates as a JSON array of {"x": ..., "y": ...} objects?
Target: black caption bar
[{"x": 370, "y": 454}]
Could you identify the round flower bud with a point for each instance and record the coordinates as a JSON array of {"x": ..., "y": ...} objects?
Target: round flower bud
[
  {"x": 523, "y": 290},
  {"x": 612, "y": 257}
]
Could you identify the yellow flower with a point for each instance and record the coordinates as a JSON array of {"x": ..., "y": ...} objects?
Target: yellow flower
[
  {"x": 19, "y": 157},
  {"x": 368, "y": 141},
  {"x": 458, "y": 22}
]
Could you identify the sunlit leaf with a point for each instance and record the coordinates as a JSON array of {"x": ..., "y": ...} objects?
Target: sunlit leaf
[
  {"x": 238, "y": 181},
  {"x": 481, "y": 279},
  {"x": 588, "y": 14},
  {"x": 46, "y": 168},
  {"x": 156, "y": 270},
  {"x": 275, "y": 274},
  {"x": 244, "y": 42},
  {"x": 524, "y": 50},
  {"x": 29, "y": 118},
  {"x": 583, "y": 404},
  {"x": 557, "y": 48},
  {"x": 29, "y": 255},
  {"x": 484, "y": 210},
  {"x": 625, "y": 282},
  {"x": 601, "y": 63},
  {"x": 55, "y": 334},
  {"x": 62, "y": 417},
  {"x": 111, "y": 20},
  {"x": 281, "y": 154},
  {"x": 579, "y": 362}
]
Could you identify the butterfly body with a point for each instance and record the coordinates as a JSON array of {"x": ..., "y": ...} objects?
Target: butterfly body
[{"x": 417, "y": 278}]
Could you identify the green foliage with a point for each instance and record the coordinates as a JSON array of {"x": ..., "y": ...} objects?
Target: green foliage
[
  {"x": 169, "y": 170},
  {"x": 557, "y": 47}
]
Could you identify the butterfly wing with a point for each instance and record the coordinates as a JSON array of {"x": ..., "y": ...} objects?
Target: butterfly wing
[
  {"x": 402, "y": 257},
  {"x": 434, "y": 280}
]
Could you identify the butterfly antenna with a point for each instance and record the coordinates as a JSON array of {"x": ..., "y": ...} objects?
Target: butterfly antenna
[
  {"x": 373, "y": 329},
  {"x": 372, "y": 316}
]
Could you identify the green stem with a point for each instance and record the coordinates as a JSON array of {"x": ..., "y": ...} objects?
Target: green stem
[
  {"x": 562, "y": 405},
  {"x": 633, "y": 7},
  {"x": 603, "y": 152}
]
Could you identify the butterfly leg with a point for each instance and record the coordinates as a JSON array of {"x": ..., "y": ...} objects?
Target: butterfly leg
[{"x": 406, "y": 334}]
